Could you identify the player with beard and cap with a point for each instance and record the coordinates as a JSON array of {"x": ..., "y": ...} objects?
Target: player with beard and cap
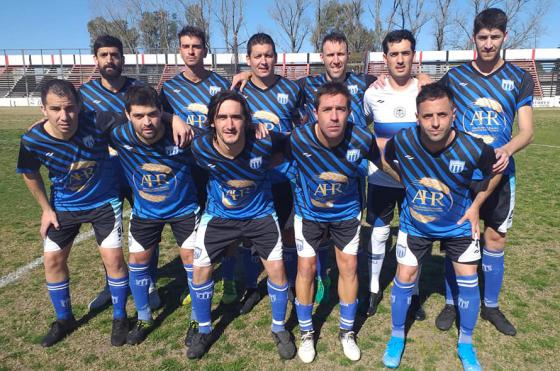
[{"x": 106, "y": 94}]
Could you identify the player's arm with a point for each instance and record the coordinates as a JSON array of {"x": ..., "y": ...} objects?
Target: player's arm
[
  {"x": 240, "y": 80},
  {"x": 36, "y": 186},
  {"x": 182, "y": 132},
  {"x": 525, "y": 123},
  {"x": 486, "y": 163},
  {"x": 389, "y": 161}
]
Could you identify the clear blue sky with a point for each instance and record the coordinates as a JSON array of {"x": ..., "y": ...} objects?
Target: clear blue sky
[{"x": 35, "y": 24}]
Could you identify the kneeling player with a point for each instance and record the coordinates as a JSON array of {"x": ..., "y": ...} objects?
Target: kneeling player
[
  {"x": 239, "y": 206},
  {"x": 436, "y": 164},
  {"x": 159, "y": 173},
  {"x": 72, "y": 147},
  {"x": 328, "y": 155}
]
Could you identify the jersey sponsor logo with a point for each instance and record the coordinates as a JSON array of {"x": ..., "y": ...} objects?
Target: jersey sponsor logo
[
  {"x": 327, "y": 188},
  {"x": 431, "y": 201},
  {"x": 198, "y": 116},
  {"x": 399, "y": 112},
  {"x": 353, "y": 89},
  {"x": 484, "y": 120},
  {"x": 173, "y": 150},
  {"x": 269, "y": 119},
  {"x": 88, "y": 141},
  {"x": 282, "y": 98},
  {"x": 255, "y": 163},
  {"x": 353, "y": 155},
  {"x": 213, "y": 90},
  {"x": 456, "y": 166},
  {"x": 80, "y": 174},
  {"x": 238, "y": 193},
  {"x": 507, "y": 85},
  {"x": 154, "y": 182}
]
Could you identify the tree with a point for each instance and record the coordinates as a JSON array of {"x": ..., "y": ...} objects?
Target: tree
[
  {"x": 197, "y": 13},
  {"x": 230, "y": 18},
  {"x": 290, "y": 16},
  {"x": 383, "y": 23},
  {"x": 441, "y": 22},
  {"x": 158, "y": 30},
  {"x": 118, "y": 27},
  {"x": 413, "y": 15}
]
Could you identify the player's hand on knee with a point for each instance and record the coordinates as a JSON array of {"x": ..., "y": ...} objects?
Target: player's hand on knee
[
  {"x": 47, "y": 219},
  {"x": 502, "y": 160},
  {"x": 473, "y": 216}
]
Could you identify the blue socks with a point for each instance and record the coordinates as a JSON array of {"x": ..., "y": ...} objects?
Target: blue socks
[
  {"x": 451, "y": 290},
  {"x": 228, "y": 268},
  {"x": 348, "y": 314},
  {"x": 252, "y": 268},
  {"x": 493, "y": 268},
  {"x": 290, "y": 264},
  {"x": 139, "y": 280},
  {"x": 401, "y": 294},
  {"x": 119, "y": 293},
  {"x": 304, "y": 313},
  {"x": 189, "y": 270},
  {"x": 468, "y": 303},
  {"x": 278, "y": 303},
  {"x": 60, "y": 298},
  {"x": 201, "y": 296}
]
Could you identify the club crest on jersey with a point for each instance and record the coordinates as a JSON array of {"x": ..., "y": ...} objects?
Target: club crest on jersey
[
  {"x": 172, "y": 150},
  {"x": 507, "y": 85},
  {"x": 255, "y": 162},
  {"x": 282, "y": 98},
  {"x": 353, "y": 155},
  {"x": 399, "y": 112},
  {"x": 88, "y": 141},
  {"x": 456, "y": 166},
  {"x": 353, "y": 89},
  {"x": 213, "y": 90}
]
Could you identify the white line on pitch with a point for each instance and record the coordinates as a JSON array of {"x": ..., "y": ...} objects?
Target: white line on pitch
[
  {"x": 21, "y": 271},
  {"x": 545, "y": 145}
]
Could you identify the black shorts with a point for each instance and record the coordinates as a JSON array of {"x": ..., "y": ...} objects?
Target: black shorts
[
  {"x": 200, "y": 178},
  {"x": 106, "y": 221},
  {"x": 283, "y": 198},
  {"x": 309, "y": 235},
  {"x": 144, "y": 234},
  {"x": 497, "y": 210},
  {"x": 412, "y": 250},
  {"x": 216, "y": 234},
  {"x": 381, "y": 202}
]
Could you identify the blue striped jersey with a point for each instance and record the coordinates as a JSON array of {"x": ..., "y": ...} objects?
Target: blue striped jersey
[
  {"x": 189, "y": 100},
  {"x": 78, "y": 168},
  {"x": 277, "y": 107},
  {"x": 95, "y": 97},
  {"x": 437, "y": 185},
  {"x": 391, "y": 111},
  {"x": 357, "y": 84},
  {"x": 328, "y": 180},
  {"x": 159, "y": 174},
  {"x": 486, "y": 105},
  {"x": 238, "y": 188}
]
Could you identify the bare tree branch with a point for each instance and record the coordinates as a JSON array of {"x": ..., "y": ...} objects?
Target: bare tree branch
[{"x": 290, "y": 16}]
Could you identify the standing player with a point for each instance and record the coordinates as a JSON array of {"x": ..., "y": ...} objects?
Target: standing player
[
  {"x": 488, "y": 93},
  {"x": 436, "y": 163},
  {"x": 328, "y": 155},
  {"x": 159, "y": 173},
  {"x": 239, "y": 206},
  {"x": 106, "y": 94},
  {"x": 188, "y": 95},
  {"x": 392, "y": 108},
  {"x": 274, "y": 102},
  {"x": 70, "y": 145}
]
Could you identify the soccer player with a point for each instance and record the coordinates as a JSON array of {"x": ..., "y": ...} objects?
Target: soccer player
[
  {"x": 106, "y": 94},
  {"x": 159, "y": 173},
  {"x": 70, "y": 145},
  {"x": 435, "y": 163},
  {"x": 328, "y": 154},
  {"x": 392, "y": 108},
  {"x": 274, "y": 102},
  {"x": 488, "y": 93},
  {"x": 239, "y": 206},
  {"x": 188, "y": 95}
]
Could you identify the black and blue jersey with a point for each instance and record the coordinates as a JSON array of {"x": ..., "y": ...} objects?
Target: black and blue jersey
[
  {"x": 437, "y": 185},
  {"x": 159, "y": 174},
  {"x": 238, "y": 188},
  {"x": 95, "y": 97},
  {"x": 487, "y": 104},
  {"x": 189, "y": 100},
  {"x": 357, "y": 85},
  {"x": 79, "y": 169},
  {"x": 328, "y": 179}
]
